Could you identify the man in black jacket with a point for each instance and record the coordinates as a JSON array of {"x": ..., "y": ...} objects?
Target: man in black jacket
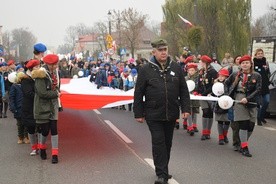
[{"x": 161, "y": 82}]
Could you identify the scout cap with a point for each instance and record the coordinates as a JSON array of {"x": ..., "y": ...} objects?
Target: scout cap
[{"x": 159, "y": 43}]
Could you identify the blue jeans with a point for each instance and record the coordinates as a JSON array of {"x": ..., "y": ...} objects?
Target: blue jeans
[{"x": 264, "y": 105}]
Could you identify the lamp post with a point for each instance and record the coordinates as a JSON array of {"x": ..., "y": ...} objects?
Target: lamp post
[{"x": 109, "y": 22}]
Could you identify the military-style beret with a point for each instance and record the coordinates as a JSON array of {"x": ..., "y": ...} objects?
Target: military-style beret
[
  {"x": 189, "y": 59},
  {"x": 245, "y": 58},
  {"x": 32, "y": 63},
  {"x": 191, "y": 65},
  {"x": 206, "y": 59},
  {"x": 159, "y": 43},
  {"x": 18, "y": 67},
  {"x": 40, "y": 47},
  {"x": 10, "y": 62},
  {"x": 51, "y": 59}
]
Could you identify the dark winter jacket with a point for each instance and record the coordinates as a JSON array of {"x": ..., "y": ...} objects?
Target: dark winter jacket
[
  {"x": 206, "y": 81},
  {"x": 27, "y": 86},
  {"x": 46, "y": 98},
  {"x": 164, "y": 91},
  {"x": 261, "y": 66},
  {"x": 15, "y": 100},
  {"x": 252, "y": 87}
]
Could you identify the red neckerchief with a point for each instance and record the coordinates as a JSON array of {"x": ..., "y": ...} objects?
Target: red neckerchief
[
  {"x": 54, "y": 81},
  {"x": 245, "y": 79}
]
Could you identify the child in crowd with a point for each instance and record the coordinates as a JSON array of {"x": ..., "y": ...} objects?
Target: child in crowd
[
  {"x": 221, "y": 115},
  {"x": 192, "y": 120}
]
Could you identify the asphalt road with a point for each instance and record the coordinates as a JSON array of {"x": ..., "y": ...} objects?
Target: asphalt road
[{"x": 109, "y": 147}]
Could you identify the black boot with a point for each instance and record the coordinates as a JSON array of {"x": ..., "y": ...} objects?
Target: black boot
[
  {"x": 161, "y": 181},
  {"x": 259, "y": 122},
  {"x": 191, "y": 132},
  {"x": 54, "y": 159},
  {"x": 177, "y": 125},
  {"x": 43, "y": 154},
  {"x": 221, "y": 142},
  {"x": 195, "y": 129},
  {"x": 203, "y": 137},
  {"x": 226, "y": 139},
  {"x": 245, "y": 152}
]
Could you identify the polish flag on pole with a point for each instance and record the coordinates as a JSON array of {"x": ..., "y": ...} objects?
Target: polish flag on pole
[{"x": 186, "y": 21}]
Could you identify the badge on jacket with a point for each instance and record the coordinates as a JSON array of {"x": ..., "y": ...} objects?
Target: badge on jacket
[{"x": 172, "y": 73}]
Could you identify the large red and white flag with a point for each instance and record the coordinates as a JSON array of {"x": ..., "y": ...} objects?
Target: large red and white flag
[{"x": 185, "y": 20}]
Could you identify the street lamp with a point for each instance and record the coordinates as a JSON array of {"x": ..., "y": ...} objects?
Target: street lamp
[{"x": 109, "y": 22}]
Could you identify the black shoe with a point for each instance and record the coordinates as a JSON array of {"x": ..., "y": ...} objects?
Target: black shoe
[
  {"x": 264, "y": 121},
  {"x": 177, "y": 125},
  {"x": 191, "y": 132},
  {"x": 161, "y": 181},
  {"x": 169, "y": 176},
  {"x": 203, "y": 137},
  {"x": 226, "y": 139},
  {"x": 54, "y": 159},
  {"x": 185, "y": 127},
  {"x": 221, "y": 142},
  {"x": 5, "y": 115},
  {"x": 207, "y": 136},
  {"x": 43, "y": 154},
  {"x": 259, "y": 122},
  {"x": 245, "y": 152},
  {"x": 236, "y": 148},
  {"x": 195, "y": 129}
]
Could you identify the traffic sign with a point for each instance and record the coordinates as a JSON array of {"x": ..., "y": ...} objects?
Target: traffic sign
[
  {"x": 110, "y": 51},
  {"x": 109, "y": 45},
  {"x": 122, "y": 51},
  {"x": 109, "y": 38}
]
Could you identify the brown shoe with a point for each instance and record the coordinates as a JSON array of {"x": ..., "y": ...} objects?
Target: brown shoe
[
  {"x": 20, "y": 140},
  {"x": 26, "y": 140}
]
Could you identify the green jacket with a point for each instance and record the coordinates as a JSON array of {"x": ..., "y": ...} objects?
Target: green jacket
[{"x": 46, "y": 99}]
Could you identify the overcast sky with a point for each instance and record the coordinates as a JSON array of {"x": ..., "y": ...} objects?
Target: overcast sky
[{"x": 49, "y": 19}]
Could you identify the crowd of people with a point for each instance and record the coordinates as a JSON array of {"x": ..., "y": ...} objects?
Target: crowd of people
[{"x": 33, "y": 97}]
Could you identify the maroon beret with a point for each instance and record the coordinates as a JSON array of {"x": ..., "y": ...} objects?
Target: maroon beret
[
  {"x": 191, "y": 65},
  {"x": 206, "y": 59},
  {"x": 51, "y": 59},
  {"x": 32, "y": 63},
  {"x": 245, "y": 58},
  {"x": 189, "y": 59}
]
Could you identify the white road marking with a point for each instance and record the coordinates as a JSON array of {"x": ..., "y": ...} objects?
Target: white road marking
[
  {"x": 150, "y": 162},
  {"x": 270, "y": 128},
  {"x": 118, "y": 132},
  {"x": 97, "y": 112}
]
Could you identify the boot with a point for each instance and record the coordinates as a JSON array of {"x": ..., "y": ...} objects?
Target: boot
[
  {"x": 245, "y": 152},
  {"x": 5, "y": 115},
  {"x": 43, "y": 154},
  {"x": 54, "y": 159},
  {"x": 177, "y": 125},
  {"x": 259, "y": 122},
  {"x": 195, "y": 129},
  {"x": 20, "y": 140}
]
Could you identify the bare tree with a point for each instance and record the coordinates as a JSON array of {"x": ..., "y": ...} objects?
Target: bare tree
[
  {"x": 131, "y": 23},
  {"x": 73, "y": 32},
  {"x": 23, "y": 40}
]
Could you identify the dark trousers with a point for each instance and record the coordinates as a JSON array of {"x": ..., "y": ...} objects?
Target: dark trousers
[
  {"x": 236, "y": 138},
  {"x": 161, "y": 137}
]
